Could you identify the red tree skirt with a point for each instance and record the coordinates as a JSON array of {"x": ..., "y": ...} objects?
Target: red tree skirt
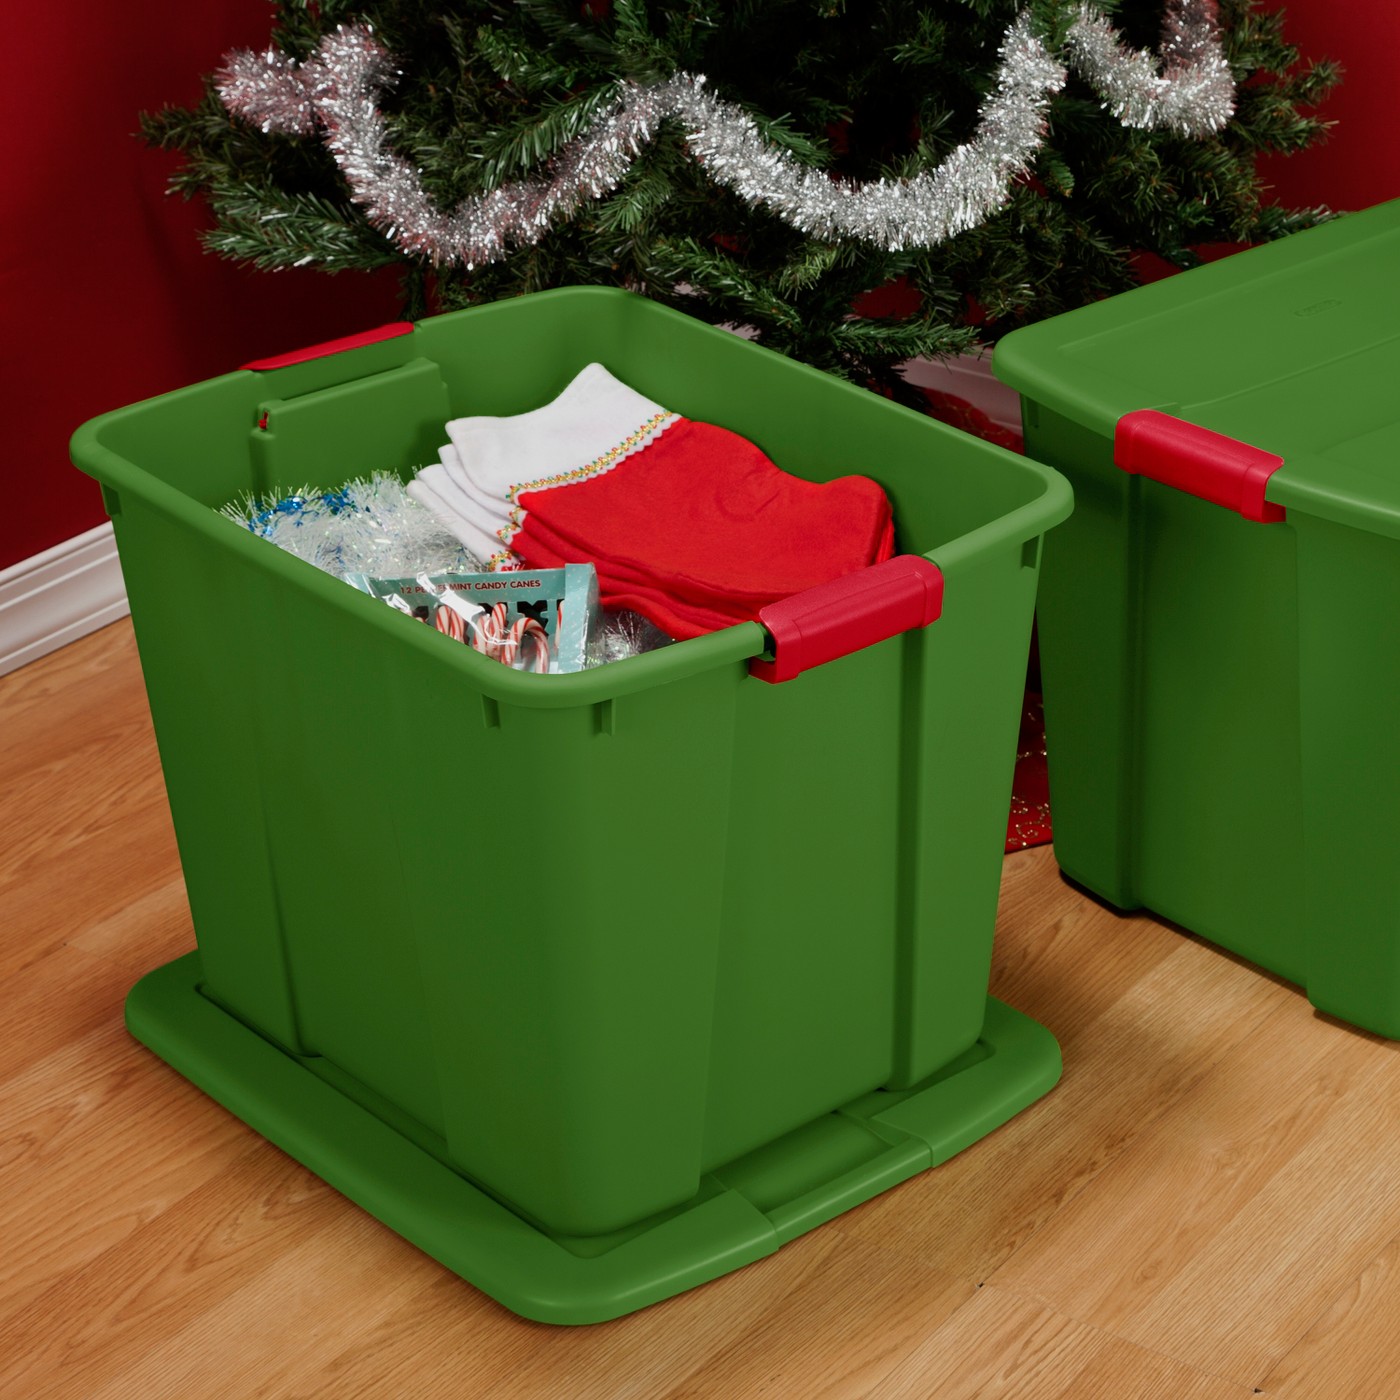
[
  {"x": 1029, "y": 823},
  {"x": 949, "y": 408}
]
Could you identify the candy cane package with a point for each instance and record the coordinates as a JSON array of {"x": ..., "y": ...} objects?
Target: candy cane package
[{"x": 540, "y": 620}]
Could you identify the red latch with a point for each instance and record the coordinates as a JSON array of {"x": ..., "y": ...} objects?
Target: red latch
[
  {"x": 834, "y": 619},
  {"x": 331, "y": 347},
  {"x": 1196, "y": 460}
]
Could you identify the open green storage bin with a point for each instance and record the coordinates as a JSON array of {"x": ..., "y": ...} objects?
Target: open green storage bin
[
  {"x": 1221, "y": 680},
  {"x": 594, "y": 986}
]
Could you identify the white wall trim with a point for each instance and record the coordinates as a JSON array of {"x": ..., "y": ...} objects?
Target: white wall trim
[
  {"x": 58, "y": 596},
  {"x": 970, "y": 377}
]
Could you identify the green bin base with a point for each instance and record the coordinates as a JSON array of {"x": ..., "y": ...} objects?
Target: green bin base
[{"x": 742, "y": 1212}]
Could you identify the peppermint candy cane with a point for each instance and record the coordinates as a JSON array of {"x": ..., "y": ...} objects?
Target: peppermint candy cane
[
  {"x": 491, "y": 636},
  {"x": 526, "y": 628},
  {"x": 489, "y": 630},
  {"x": 450, "y": 623},
  {"x": 510, "y": 643}
]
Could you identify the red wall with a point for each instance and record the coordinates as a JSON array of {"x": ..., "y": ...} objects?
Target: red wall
[
  {"x": 1359, "y": 164},
  {"x": 108, "y": 297}
]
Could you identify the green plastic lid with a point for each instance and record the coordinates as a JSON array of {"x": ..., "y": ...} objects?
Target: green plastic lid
[{"x": 1293, "y": 347}]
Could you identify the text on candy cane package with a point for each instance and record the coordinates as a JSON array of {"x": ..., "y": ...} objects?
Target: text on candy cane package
[{"x": 541, "y": 620}]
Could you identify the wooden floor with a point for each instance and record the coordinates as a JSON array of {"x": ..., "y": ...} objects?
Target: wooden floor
[{"x": 1207, "y": 1207}]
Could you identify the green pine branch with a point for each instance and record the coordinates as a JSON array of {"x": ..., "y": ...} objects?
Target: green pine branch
[
  {"x": 490, "y": 90},
  {"x": 262, "y": 225}
]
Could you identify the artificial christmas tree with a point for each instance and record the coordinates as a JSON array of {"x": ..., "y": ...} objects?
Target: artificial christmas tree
[{"x": 761, "y": 163}]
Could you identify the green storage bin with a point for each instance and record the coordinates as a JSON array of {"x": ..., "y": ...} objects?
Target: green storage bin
[
  {"x": 1221, "y": 679},
  {"x": 594, "y": 986}
]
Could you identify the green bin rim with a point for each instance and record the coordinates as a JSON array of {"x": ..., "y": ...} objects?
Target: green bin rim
[
  {"x": 730, "y": 646},
  {"x": 1127, "y": 352}
]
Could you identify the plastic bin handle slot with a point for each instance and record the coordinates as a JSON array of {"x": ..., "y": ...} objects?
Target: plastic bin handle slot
[
  {"x": 834, "y": 619},
  {"x": 1196, "y": 460},
  {"x": 331, "y": 347}
]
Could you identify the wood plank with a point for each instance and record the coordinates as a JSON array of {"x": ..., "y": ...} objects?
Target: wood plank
[
  {"x": 68, "y": 995},
  {"x": 835, "y": 1335},
  {"x": 86, "y": 823},
  {"x": 78, "y": 986},
  {"x": 93, "y": 1324},
  {"x": 74, "y": 688},
  {"x": 307, "y": 1299},
  {"x": 436, "y": 1336},
  {"x": 1221, "y": 1233},
  {"x": 1002, "y": 1347},
  {"x": 778, "y": 1322},
  {"x": 143, "y": 934},
  {"x": 1140, "y": 1013},
  {"x": 1352, "y": 1352},
  {"x": 95, "y": 1140}
]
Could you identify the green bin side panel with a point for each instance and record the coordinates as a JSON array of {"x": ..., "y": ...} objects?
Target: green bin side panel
[
  {"x": 960, "y": 705},
  {"x": 1085, "y": 615},
  {"x": 568, "y": 929},
  {"x": 213, "y": 742},
  {"x": 810, "y": 862},
  {"x": 863, "y": 862},
  {"x": 329, "y": 782},
  {"x": 583, "y": 939},
  {"x": 276, "y": 731},
  {"x": 1217, "y": 816},
  {"x": 1170, "y": 656},
  {"x": 1348, "y": 607},
  {"x": 377, "y": 422}
]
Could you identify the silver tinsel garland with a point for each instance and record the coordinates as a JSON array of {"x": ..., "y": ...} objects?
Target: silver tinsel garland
[
  {"x": 1194, "y": 94},
  {"x": 371, "y": 525},
  {"x": 337, "y": 90}
]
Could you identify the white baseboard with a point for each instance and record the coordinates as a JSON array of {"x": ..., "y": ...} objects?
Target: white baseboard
[
  {"x": 58, "y": 596},
  {"x": 969, "y": 377}
]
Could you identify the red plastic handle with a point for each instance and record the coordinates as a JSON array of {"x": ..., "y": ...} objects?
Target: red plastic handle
[
  {"x": 834, "y": 619},
  {"x": 1196, "y": 460},
  {"x": 331, "y": 347}
]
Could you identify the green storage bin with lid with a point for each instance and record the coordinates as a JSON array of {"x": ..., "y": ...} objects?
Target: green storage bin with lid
[
  {"x": 1219, "y": 623},
  {"x": 594, "y": 986}
]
